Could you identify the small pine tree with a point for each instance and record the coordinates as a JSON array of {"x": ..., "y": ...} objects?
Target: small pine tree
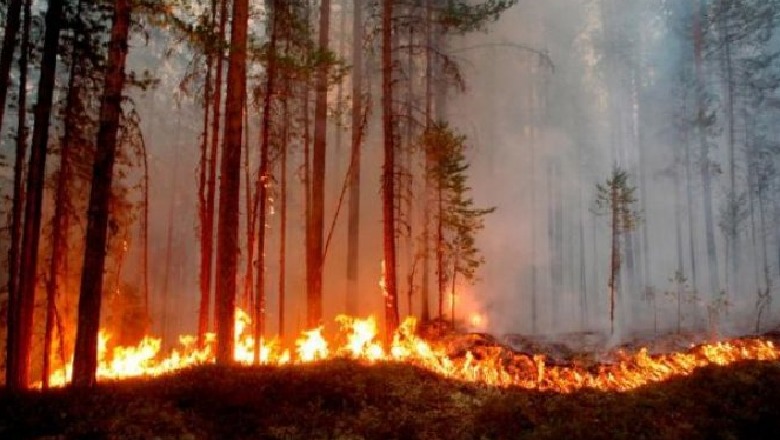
[
  {"x": 616, "y": 199},
  {"x": 459, "y": 220}
]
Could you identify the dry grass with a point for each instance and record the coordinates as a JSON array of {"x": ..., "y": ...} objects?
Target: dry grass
[{"x": 346, "y": 400}]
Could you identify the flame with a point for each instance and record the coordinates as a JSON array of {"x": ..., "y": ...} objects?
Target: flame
[
  {"x": 495, "y": 366},
  {"x": 312, "y": 346}
]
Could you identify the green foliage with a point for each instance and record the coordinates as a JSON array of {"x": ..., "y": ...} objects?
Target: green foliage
[
  {"x": 461, "y": 219},
  {"x": 462, "y": 16},
  {"x": 616, "y": 198}
]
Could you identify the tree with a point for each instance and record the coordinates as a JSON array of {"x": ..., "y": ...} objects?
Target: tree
[
  {"x": 18, "y": 190},
  {"x": 353, "y": 216},
  {"x": 460, "y": 220},
  {"x": 210, "y": 147},
  {"x": 263, "y": 179},
  {"x": 704, "y": 123},
  {"x": 227, "y": 228},
  {"x": 7, "y": 52},
  {"x": 85, "y": 353},
  {"x": 615, "y": 198},
  {"x": 315, "y": 252},
  {"x": 59, "y": 232},
  {"x": 388, "y": 173},
  {"x": 440, "y": 19},
  {"x": 20, "y": 323}
]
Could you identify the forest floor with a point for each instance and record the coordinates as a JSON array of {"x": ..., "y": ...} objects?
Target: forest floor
[{"x": 346, "y": 400}]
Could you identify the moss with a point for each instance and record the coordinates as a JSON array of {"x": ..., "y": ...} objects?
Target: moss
[{"x": 347, "y": 400}]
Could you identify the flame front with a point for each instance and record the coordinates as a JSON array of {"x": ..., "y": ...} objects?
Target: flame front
[{"x": 491, "y": 365}]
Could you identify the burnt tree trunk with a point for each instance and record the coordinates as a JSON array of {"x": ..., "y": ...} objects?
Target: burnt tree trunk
[
  {"x": 59, "y": 234},
  {"x": 314, "y": 285},
  {"x": 425, "y": 312},
  {"x": 18, "y": 196},
  {"x": 204, "y": 275},
  {"x": 353, "y": 216},
  {"x": 145, "y": 240},
  {"x": 20, "y": 346},
  {"x": 283, "y": 210},
  {"x": 262, "y": 182},
  {"x": 252, "y": 200},
  {"x": 229, "y": 186},
  {"x": 207, "y": 250},
  {"x": 85, "y": 353},
  {"x": 388, "y": 177}
]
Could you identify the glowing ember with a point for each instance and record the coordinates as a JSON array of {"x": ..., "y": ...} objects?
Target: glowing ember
[{"x": 490, "y": 365}]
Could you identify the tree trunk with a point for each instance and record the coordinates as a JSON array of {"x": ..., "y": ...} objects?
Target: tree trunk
[
  {"x": 533, "y": 98},
  {"x": 7, "y": 54},
  {"x": 168, "y": 259},
  {"x": 388, "y": 178},
  {"x": 712, "y": 258},
  {"x": 283, "y": 210},
  {"x": 18, "y": 361},
  {"x": 425, "y": 313},
  {"x": 678, "y": 234},
  {"x": 614, "y": 265},
  {"x": 764, "y": 301},
  {"x": 733, "y": 211},
  {"x": 314, "y": 287},
  {"x": 252, "y": 206},
  {"x": 440, "y": 273},
  {"x": 353, "y": 216},
  {"x": 85, "y": 353},
  {"x": 263, "y": 180},
  {"x": 207, "y": 251},
  {"x": 145, "y": 240},
  {"x": 229, "y": 185},
  {"x": 59, "y": 234},
  {"x": 204, "y": 275},
  {"x": 452, "y": 290},
  {"x": 18, "y": 201},
  {"x": 408, "y": 174}
]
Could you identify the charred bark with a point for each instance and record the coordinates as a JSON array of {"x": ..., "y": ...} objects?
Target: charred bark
[
  {"x": 227, "y": 228},
  {"x": 59, "y": 233},
  {"x": 207, "y": 250},
  {"x": 18, "y": 199},
  {"x": 388, "y": 177},
  {"x": 20, "y": 347},
  {"x": 263, "y": 180},
  {"x": 353, "y": 216},
  {"x": 85, "y": 353},
  {"x": 314, "y": 285}
]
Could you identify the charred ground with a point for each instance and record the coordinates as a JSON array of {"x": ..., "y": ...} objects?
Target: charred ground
[{"x": 344, "y": 399}]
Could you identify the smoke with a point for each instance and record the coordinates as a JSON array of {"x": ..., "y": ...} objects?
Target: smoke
[{"x": 558, "y": 93}]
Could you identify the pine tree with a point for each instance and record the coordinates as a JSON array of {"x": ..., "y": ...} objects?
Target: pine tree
[
  {"x": 85, "y": 353},
  {"x": 21, "y": 323},
  {"x": 227, "y": 228},
  {"x": 460, "y": 221},
  {"x": 615, "y": 198}
]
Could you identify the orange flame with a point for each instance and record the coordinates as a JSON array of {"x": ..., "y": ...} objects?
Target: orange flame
[{"x": 490, "y": 365}]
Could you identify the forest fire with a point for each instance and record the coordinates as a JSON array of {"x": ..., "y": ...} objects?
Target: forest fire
[{"x": 489, "y": 365}]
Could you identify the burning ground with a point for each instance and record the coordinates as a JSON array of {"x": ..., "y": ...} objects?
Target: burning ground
[
  {"x": 348, "y": 399},
  {"x": 451, "y": 386}
]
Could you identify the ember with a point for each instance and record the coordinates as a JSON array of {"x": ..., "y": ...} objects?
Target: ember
[{"x": 494, "y": 366}]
